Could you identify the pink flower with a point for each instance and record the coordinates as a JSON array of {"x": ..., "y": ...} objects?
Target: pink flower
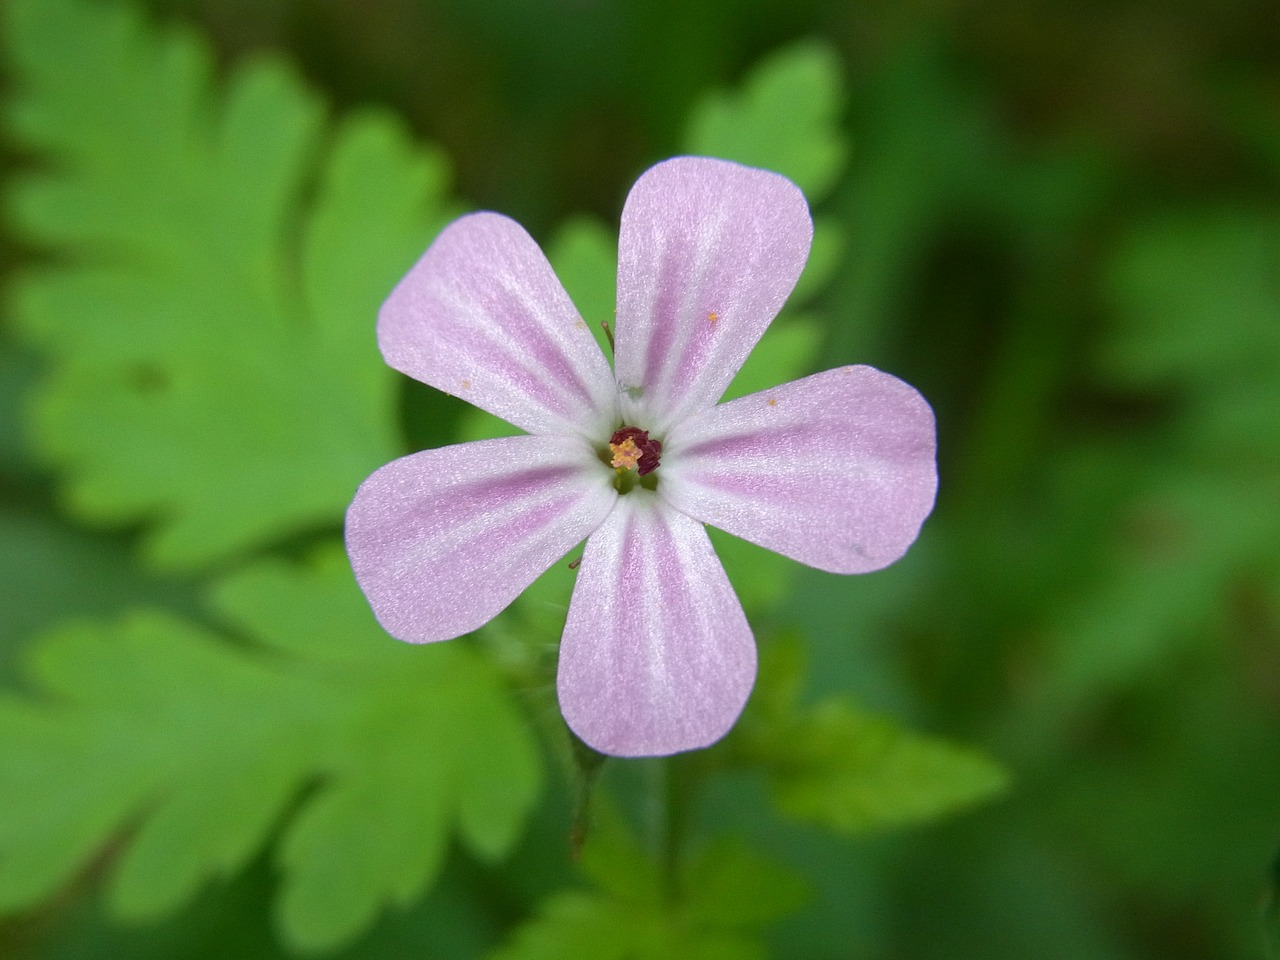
[{"x": 835, "y": 470}]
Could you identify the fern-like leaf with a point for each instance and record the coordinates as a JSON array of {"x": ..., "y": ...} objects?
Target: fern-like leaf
[
  {"x": 366, "y": 754},
  {"x": 217, "y": 258}
]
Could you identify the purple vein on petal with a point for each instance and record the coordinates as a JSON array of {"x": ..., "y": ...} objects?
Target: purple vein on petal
[
  {"x": 708, "y": 253},
  {"x": 441, "y": 541},
  {"x": 657, "y": 656},
  {"x": 668, "y": 307},
  {"x": 702, "y": 301},
  {"x": 681, "y": 331},
  {"x": 483, "y": 316},
  {"x": 534, "y": 361},
  {"x": 836, "y": 470}
]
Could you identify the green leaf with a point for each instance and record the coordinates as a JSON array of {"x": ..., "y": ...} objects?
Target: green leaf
[
  {"x": 49, "y": 571},
  {"x": 785, "y": 352},
  {"x": 1180, "y": 547},
  {"x": 1197, "y": 298},
  {"x": 220, "y": 257},
  {"x": 1195, "y": 302},
  {"x": 1271, "y": 909},
  {"x": 785, "y": 118},
  {"x": 734, "y": 887},
  {"x": 584, "y": 253},
  {"x": 722, "y": 899},
  {"x": 576, "y": 924},
  {"x": 928, "y": 144},
  {"x": 850, "y": 770},
  {"x": 205, "y": 748},
  {"x": 1197, "y": 310},
  {"x": 616, "y": 862},
  {"x": 826, "y": 257}
]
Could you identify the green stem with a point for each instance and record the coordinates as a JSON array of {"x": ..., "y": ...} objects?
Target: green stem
[
  {"x": 586, "y": 763},
  {"x": 670, "y": 794}
]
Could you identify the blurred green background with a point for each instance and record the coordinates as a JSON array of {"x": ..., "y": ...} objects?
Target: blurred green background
[{"x": 1061, "y": 222}]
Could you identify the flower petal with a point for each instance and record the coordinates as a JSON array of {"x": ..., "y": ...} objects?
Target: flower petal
[
  {"x": 657, "y": 656},
  {"x": 482, "y": 315},
  {"x": 708, "y": 253},
  {"x": 443, "y": 540},
  {"x": 836, "y": 470}
]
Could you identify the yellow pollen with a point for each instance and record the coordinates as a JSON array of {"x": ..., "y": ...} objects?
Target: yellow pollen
[
  {"x": 773, "y": 401},
  {"x": 713, "y": 317},
  {"x": 625, "y": 454},
  {"x": 466, "y": 384}
]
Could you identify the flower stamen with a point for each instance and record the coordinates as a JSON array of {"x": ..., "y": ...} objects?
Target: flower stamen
[
  {"x": 631, "y": 448},
  {"x": 625, "y": 454}
]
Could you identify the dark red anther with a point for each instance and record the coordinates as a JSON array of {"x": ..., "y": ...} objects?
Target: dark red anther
[{"x": 649, "y": 451}]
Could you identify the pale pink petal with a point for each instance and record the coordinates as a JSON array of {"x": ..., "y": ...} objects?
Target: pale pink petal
[
  {"x": 443, "y": 540},
  {"x": 709, "y": 251},
  {"x": 836, "y": 470},
  {"x": 481, "y": 315},
  {"x": 657, "y": 656}
]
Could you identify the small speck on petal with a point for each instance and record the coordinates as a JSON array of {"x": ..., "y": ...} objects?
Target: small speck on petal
[{"x": 708, "y": 253}]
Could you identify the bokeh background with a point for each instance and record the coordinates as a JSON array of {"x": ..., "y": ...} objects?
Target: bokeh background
[{"x": 1060, "y": 221}]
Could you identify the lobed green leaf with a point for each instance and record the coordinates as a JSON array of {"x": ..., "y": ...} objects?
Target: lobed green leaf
[
  {"x": 850, "y": 770},
  {"x": 219, "y": 254},
  {"x": 853, "y": 771},
  {"x": 365, "y": 755},
  {"x": 784, "y": 118},
  {"x": 720, "y": 901}
]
